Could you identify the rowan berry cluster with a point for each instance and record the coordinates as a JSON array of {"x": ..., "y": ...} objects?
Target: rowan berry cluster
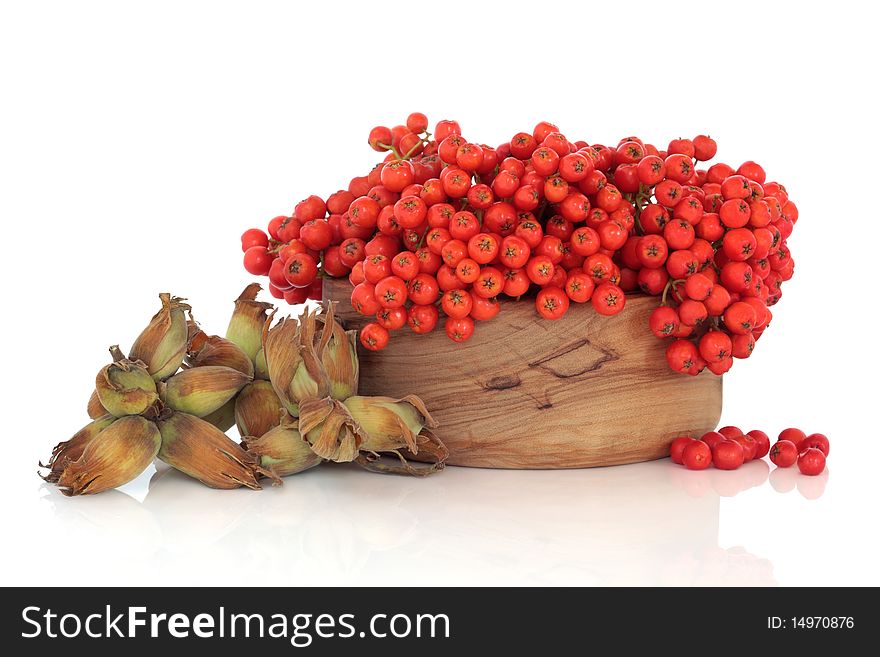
[
  {"x": 446, "y": 227},
  {"x": 728, "y": 448}
]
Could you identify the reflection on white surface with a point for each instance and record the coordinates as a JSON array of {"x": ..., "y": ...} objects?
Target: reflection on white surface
[
  {"x": 650, "y": 523},
  {"x": 785, "y": 480}
]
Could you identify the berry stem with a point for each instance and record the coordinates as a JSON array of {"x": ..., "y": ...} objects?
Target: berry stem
[
  {"x": 670, "y": 284},
  {"x": 390, "y": 147}
]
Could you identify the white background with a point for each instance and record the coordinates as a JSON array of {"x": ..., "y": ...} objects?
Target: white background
[{"x": 140, "y": 139}]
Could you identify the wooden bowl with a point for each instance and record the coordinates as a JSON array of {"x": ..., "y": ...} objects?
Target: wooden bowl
[{"x": 525, "y": 392}]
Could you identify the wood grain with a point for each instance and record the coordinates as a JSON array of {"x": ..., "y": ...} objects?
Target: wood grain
[{"x": 524, "y": 392}]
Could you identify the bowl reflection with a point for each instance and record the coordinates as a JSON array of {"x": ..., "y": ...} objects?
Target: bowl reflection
[{"x": 649, "y": 523}]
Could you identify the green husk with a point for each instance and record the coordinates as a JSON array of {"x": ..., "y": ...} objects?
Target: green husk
[
  {"x": 257, "y": 409},
  {"x": 389, "y": 423},
  {"x": 282, "y": 450},
  {"x": 115, "y": 456},
  {"x": 72, "y": 449},
  {"x": 224, "y": 417},
  {"x": 125, "y": 387},
  {"x": 162, "y": 345},
  {"x": 330, "y": 429},
  {"x": 202, "y": 451},
  {"x": 246, "y": 326},
  {"x": 202, "y": 390},
  {"x": 338, "y": 352},
  {"x": 95, "y": 408},
  {"x": 207, "y": 350}
]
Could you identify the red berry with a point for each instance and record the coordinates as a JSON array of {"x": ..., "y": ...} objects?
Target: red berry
[
  {"x": 664, "y": 322},
  {"x": 742, "y": 345},
  {"x": 391, "y": 292},
  {"x": 459, "y": 330},
  {"x": 682, "y": 263},
  {"x": 698, "y": 287},
  {"x": 679, "y": 168},
  {"x": 484, "y": 309},
  {"x": 681, "y": 146},
  {"x": 651, "y": 170},
  {"x": 363, "y": 299},
  {"x": 762, "y": 443},
  {"x": 417, "y": 122},
  {"x": 422, "y": 318},
  {"x": 257, "y": 260},
  {"x": 608, "y": 299},
  {"x": 579, "y": 287},
  {"x": 652, "y": 281},
  {"x": 374, "y": 336},
  {"x": 739, "y": 244},
  {"x": 795, "y": 436},
  {"x": 457, "y": 303},
  {"x": 514, "y": 252},
  {"x": 364, "y": 212},
  {"x": 254, "y": 237},
  {"x": 818, "y": 441},
  {"x": 296, "y": 295},
  {"x": 752, "y": 171},
  {"x": 392, "y": 318},
  {"x": 728, "y": 454},
  {"x": 734, "y": 213},
  {"x": 730, "y": 431},
  {"x": 740, "y": 318},
  {"x": 410, "y": 211},
  {"x": 469, "y": 157},
  {"x": 483, "y": 247},
  {"x": 523, "y": 145},
  {"x": 719, "y": 367},
  {"x": 735, "y": 187},
  {"x": 682, "y": 356},
  {"x": 380, "y": 138},
  {"x": 676, "y": 448},
  {"x": 750, "y": 447},
  {"x": 784, "y": 454},
  {"x": 715, "y": 346},
  {"x": 574, "y": 167},
  {"x": 551, "y": 302},
  {"x": 545, "y": 161},
  {"x": 697, "y": 455},
  {"x": 275, "y": 226},
  {"x": 489, "y": 283},
  {"x": 310, "y": 208},
  {"x": 811, "y": 462},
  {"x": 692, "y": 313},
  {"x": 712, "y": 438},
  {"x": 397, "y": 174},
  {"x": 679, "y": 234},
  {"x": 445, "y": 128},
  {"x": 277, "y": 278},
  {"x": 376, "y": 267},
  {"x": 516, "y": 283},
  {"x": 405, "y": 264},
  {"x": 704, "y": 148}
]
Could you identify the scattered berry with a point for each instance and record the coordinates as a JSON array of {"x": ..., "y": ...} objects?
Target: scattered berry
[
  {"x": 762, "y": 443},
  {"x": 784, "y": 454},
  {"x": 749, "y": 446},
  {"x": 697, "y": 455},
  {"x": 728, "y": 454},
  {"x": 730, "y": 432},
  {"x": 676, "y": 449},
  {"x": 795, "y": 436},
  {"x": 817, "y": 441},
  {"x": 811, "y": 461}
]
